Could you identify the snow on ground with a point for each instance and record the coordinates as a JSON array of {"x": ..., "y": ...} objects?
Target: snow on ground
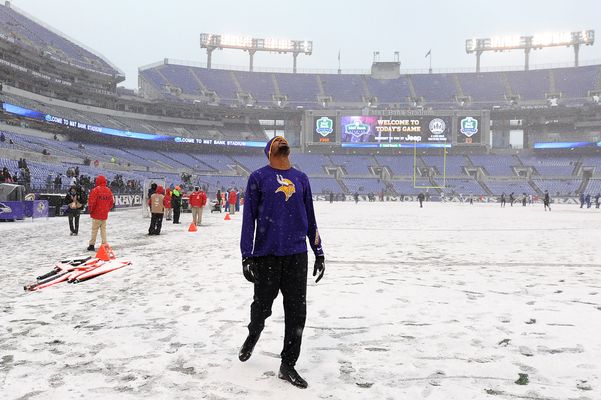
[{"x": 446, "y": 302}]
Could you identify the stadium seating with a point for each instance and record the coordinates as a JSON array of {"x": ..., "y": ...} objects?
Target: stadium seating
[
  {"x": 250, "y": 163},
  {"x": 363, "y": 186},
  {"x": 496, "y": 165},
  {"x": 353, "y": 165},
  {"x": 260, "y": 85},
  {"x": 550, "y": 166},
  {"x": 575, "y": 82},
  {"x": 28, "y": 33},
  {"x": 343, "y": 88},
  {"x": 529, "y": 85},
  {"x": 310, "y": 164},
  {"x": 482, "y": 87},
  {"x": 300, "y": 89},
  {"x": 593, "y": 162},
  {"x": 593, "y": 187},
  {"x": 217, "y": 170},
  {"x": 399, "y": 165},
  {"x": 461, "y": 186},
  {"x": 564, "y": 187},
  {"x": 389, "y": 91},
  {"x": 325, "y": 185},
  {"x": 437, "y": 90},
  {"x": 408, "y": 187},
  {"x": 452, "y": 164},
  {"x": 507, "y": 187}
]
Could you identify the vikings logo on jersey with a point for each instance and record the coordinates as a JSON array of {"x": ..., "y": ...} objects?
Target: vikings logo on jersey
[{"x": 286, "y": 187}]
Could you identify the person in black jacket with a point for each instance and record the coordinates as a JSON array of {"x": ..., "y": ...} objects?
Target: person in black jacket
[
  {"x": 421, "y": 198},
  {"x": 547, "y": 201},
  {"x": 75, "y": 199},
  {"x": 176, "y": 203}
]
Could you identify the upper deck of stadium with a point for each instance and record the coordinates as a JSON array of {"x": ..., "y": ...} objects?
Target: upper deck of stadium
[
  {"x": 21, "y": 30},
  {"x": 178, "y": 81}
]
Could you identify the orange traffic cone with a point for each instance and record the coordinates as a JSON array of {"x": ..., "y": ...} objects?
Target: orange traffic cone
[
  {"x": 227, "y": 217},
  {"x": 192, "y": 227},
  {"x": 105, "y": 253}
]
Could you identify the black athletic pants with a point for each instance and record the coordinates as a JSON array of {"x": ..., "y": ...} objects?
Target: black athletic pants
[
  {"x": 73, "y": 221},
  {"x": 156, "y": 222},
  {"x": 289, "y": 275},
  {"x": 176, "y": 211}
]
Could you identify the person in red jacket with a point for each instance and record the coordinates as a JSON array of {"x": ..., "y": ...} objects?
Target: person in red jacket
[
  {"x": 168, "y": 209},
  {"x": 198, "y": 199},
  {"x": 100, "y": 203},
  {"x": 232, "y": 198}
]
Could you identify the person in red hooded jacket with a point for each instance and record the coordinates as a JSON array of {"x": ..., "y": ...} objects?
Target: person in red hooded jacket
[
  {"x": 100, "y": 202},
  {"x": 232, "y": 198},
  {"x": 168, "y": 209}
]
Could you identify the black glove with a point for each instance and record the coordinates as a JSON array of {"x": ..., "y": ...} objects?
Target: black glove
[
  {"x": 249, "y": 269},
  {"x": 319, "y": 266}
]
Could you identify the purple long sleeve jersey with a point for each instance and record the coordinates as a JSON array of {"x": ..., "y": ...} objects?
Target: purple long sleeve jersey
[{"x": 278, "y": 214}]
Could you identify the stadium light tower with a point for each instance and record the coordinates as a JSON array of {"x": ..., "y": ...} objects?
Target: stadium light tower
[
  {"x": 529, "y": 43},
  {"x": 212, "y": 42}
]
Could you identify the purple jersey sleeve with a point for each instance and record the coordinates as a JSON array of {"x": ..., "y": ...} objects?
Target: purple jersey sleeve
[{"x": 249, "y": 216}]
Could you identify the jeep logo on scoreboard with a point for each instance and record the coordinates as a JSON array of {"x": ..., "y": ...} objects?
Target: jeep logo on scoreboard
[
  {"x": 324, "y": 130},
  {"x": 469, "y": 130}
]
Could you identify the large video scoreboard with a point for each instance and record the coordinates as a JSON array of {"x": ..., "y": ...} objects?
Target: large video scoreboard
[{"x": 395, "y": 128}]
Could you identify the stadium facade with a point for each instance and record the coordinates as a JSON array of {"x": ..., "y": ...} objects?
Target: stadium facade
[{"x": 384, "y": 132}]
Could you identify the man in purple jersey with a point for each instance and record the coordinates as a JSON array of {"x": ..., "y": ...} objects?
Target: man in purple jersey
[{"x": 278, "y": 206}]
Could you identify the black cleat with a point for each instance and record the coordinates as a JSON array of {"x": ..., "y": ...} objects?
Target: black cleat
[
  {"x": 288, "y": 373},
  {"x": 247, "y": 348},
  {"x": 91, "y": 248}
]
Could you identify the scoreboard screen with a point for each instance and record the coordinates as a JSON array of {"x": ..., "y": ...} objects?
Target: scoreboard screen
[
  {"x": 396, "y": 128},
  {"x": 469, "y": 130},
  {"x": 324, "y": 129},
  {"x": 423, "y": 131}
]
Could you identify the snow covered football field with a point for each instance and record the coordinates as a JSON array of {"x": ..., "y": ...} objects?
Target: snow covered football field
[{"x": 446, "y": 302}]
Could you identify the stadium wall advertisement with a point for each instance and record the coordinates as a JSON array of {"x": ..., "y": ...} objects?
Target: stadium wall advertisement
[
  {"x": 565, "y": 145},
  {"x": 12, "y": 210},
  {"x": 436, "y": 198},
  {"x": 52, "y": 119},
  {"x": 395, "y": 128},
  {"x": 128, "y": 200}
]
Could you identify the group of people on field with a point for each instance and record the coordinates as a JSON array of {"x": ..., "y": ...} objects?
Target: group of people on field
[
  {"x": 587, "y": 200},
  {"x": 169, "y": 202}
]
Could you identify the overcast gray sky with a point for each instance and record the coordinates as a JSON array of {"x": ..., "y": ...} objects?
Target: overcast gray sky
[{"x": 133, "y": 33}]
